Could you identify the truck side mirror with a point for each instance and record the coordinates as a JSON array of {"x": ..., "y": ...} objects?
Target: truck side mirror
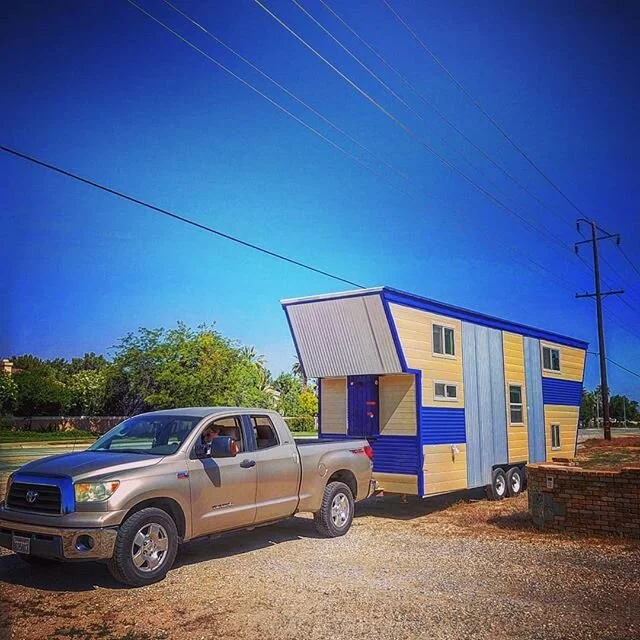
[{"x": 224, "y": 447}]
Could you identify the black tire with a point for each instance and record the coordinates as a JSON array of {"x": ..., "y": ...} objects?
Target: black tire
[
  {"x": 515, "y": 481},
  {"x": 159, "y": 526},
  {"x": 37, "y": 561},
  {"x": 336, "y": 513},
  {"x": 497, "y": 490}
]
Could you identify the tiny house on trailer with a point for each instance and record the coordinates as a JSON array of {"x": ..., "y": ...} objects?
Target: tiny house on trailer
[{"x": 449, "y": 398}]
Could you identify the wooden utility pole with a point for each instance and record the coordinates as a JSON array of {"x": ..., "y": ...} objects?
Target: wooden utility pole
[{"x": 598, "y": 295}]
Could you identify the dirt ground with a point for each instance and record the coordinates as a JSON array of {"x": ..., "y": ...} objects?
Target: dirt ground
[
  {"x": 455, "y": 566},
  {"x": 609, "y": 454}
]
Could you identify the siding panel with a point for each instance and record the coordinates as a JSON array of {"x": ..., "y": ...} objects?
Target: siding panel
[
  {"x": 565, "y": 392},
  {"x": 395, "y": 454},
  {"x": 445, "y": 468},
  {"x": 513, "y": 345},
  {"x": 442, "y": 425},
  {"x": 485, "y": 408},
  {"x": 397, "y": 405},
  {"x": 535, "y": 406},
  {"x": 333, "y": 409}
]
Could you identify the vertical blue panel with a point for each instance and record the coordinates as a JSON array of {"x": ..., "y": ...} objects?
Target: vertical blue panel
[
  {"x": 471, "y": 406},
  {"x": 535, "y": 406},
  {"x": 362, "y": 403},
  {"x": 395, "y": 454},
  {"x": 485, "y": 402}
]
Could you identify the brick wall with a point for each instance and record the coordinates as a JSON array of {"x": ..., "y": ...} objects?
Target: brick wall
[{"x": 569, "y": 498}]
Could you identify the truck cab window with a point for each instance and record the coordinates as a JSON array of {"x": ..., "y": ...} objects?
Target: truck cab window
[
  {"x": 264, "y": 432},
  {"x": 226, "y": 427}
]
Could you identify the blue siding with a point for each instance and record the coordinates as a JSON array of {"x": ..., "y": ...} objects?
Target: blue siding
[
  {"x": 485, "y": 402},
  {"x": 535, "y": 408},
  {"x": 442, "y": 425},
  {"x": 567, "y": 392},
  {"x": 395, "y": 454}
]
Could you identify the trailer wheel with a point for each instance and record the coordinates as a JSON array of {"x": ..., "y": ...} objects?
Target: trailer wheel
[
  {"x": 336, "y": 512},
  {"x": 515, "y": 481},
  {"x": 497, "y": 490},
  {"x": 145, "y": 548}
]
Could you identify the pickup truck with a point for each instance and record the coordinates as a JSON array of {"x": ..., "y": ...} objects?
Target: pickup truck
[{"x": 154, "y": 481}]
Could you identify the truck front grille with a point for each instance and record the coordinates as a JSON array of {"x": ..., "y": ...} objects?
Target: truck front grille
[{"x": 36, "y": 498}]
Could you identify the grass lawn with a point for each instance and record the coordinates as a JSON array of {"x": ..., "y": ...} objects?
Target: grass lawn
[{"x": 6, "y": 435}]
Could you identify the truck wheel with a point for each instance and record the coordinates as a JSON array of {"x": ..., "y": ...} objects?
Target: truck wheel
[
  {"x": 497, "y": 490},
  {"x": 145, "y": 548},
  {"x": 515, "y": 481},
  {"x": 336, "y": 513}
]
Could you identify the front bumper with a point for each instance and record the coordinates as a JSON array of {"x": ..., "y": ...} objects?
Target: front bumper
[{"x": 60, "y": 543}]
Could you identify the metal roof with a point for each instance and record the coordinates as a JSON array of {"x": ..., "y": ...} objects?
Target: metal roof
[
  {"x": 343, "y": 336},
  {"x": 391, "y": 295}
]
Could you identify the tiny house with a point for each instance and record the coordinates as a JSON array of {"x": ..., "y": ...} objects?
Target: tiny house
[{"x": 449, "y": 398}]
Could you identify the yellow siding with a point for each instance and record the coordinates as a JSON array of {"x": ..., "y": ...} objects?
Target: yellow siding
[
  {"x": 397, "y": 405},
  {"x": 416, "y": 337},
  {"x": 571, "y": 362},
  {"x": 444, "y": 468},
  {"x": 518, "y": 438},
  {"x": 397, "y": 483},
  {"x": 333, "y": 410},
  {"x": 567, "y": 418}
]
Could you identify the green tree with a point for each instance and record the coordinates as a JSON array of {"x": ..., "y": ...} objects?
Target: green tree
[
  {"x": 621, "y": 407},
  {"x": 8, "y": 394},
  {"x": 40, "y": 393},
  {"x": 588, "y": 407},
  {"x": 158, "y": 368},
  {"x": 87, "y": 389}
]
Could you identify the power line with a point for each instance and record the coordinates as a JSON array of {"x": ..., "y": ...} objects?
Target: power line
[
  {"x": 410, "y": 132},
  {"x": 482, "y": 110},
  {"x": 176, "y": 216},
  {"x": 444, "y": 118},
  {"x": 273, "y": 102},
  {"x": 633, "y": 373},
  {"x": 355, "y": 57},
  {"x": 285, "y": 90},
  {"x": 626, "y": 257}
]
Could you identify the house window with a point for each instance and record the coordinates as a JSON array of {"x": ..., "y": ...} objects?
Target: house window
[
  {"x": 555, "y": 436},
  {"x": 443, "y": 340},
  {"x": 445, "y": 391},
  {"x": 550, "y": 359},
  {"x": 515, "y": 404}
]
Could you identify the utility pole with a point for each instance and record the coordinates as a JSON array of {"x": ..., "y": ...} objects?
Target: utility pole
[{"x": 598, "y": 295}]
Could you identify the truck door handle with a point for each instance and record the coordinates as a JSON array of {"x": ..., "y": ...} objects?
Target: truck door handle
[{"x": 247, "y": 464}]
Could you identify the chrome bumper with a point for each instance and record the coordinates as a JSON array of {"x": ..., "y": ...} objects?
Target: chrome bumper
[{"x": 63, "y": 544}]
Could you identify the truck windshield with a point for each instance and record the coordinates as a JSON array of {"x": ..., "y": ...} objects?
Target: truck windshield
[{"x": 159, "y": 435}]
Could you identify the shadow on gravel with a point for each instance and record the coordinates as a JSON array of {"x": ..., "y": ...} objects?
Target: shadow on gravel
[
  {"x": 394, "y": 508},
  {"x": 87, "y": 576}
]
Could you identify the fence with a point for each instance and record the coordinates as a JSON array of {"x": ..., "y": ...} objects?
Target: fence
[{"x": 101, "y": 424}]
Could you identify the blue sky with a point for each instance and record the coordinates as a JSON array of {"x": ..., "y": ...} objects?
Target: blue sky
[{"x": 99, "y": 89}]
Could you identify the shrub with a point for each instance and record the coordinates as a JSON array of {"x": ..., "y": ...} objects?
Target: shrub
[{"x": 302, "y": 423}]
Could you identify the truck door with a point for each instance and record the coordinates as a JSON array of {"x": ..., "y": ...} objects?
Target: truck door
[
  {"x": 278, "y": 464},
  {"x": 363, "y": 420},
  {"x": 223, "y": 490}
]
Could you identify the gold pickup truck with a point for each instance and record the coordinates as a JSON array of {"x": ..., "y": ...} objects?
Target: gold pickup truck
[{"x": 157, "y": 480}]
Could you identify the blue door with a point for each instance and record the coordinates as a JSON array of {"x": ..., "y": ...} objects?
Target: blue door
[{"x": 364, "y": 412}]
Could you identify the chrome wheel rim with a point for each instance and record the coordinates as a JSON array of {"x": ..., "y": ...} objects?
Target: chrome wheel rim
[
  {"x": 340, "y": 509},
  {"x": 516, "y": 483},
  {"x": 501, "y": 485},
  {"x": 149, "y": 548}
]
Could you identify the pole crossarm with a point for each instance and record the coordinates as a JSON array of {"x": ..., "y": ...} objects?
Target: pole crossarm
[{"x": 602, "y": 293}]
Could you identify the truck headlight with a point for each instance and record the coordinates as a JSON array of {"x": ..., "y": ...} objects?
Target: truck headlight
[{"x": 95, "y": 491}]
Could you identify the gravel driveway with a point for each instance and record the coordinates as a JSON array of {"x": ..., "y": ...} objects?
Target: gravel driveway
[{"x": 429, "y": 569}]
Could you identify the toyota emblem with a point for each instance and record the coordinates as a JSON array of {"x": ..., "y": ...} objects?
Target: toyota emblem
[{"x": 31, "y": 496}]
